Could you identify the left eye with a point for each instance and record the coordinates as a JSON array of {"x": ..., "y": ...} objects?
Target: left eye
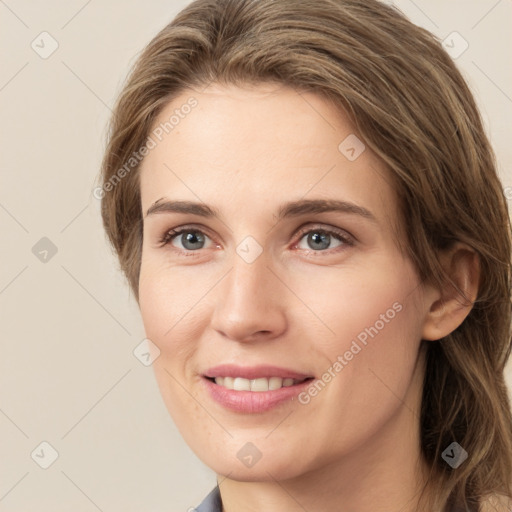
[{"x": 320, "y": 239}]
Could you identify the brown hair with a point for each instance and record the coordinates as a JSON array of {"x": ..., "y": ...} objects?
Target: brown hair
[{"x": 415, "y": 111}]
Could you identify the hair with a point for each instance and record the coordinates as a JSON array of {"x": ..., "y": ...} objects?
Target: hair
[{"x": 413, "y": 108}]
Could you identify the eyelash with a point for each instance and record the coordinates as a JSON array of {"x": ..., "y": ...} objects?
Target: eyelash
[{"x": 169, "y": 235}]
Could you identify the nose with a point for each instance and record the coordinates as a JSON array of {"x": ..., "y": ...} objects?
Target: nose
[{"x": 250, "y": 302}]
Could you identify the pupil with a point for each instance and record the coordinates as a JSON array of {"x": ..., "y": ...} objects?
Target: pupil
[
  {"x": 319, "y": 238},
  {"x": 191, "y": 238}
]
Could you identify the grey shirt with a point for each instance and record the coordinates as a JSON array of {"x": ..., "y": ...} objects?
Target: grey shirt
[{"x": 212, "y": 502}]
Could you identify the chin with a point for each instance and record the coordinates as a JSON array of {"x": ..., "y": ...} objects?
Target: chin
[
  {"x": 237, "y": 465},
  {"x": 258, "y": 473}
]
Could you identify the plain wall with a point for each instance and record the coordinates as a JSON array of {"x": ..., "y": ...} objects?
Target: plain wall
[{"x": 69, "y": 326}]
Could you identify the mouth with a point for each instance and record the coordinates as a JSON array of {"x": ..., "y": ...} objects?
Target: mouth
[
  {"x": 256, "y": 385},
  {"x": 254, "y": 389}
]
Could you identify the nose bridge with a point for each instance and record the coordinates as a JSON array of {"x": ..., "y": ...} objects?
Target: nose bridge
[{"x": 247, "y": 302}]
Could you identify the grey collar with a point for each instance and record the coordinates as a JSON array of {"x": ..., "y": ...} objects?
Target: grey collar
[{"x": 212, "y": 502}]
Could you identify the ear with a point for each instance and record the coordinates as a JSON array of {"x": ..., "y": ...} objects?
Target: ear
[{"x": 448, "y": 307}]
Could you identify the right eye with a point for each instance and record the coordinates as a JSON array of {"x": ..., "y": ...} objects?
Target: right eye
[{"x": 191, "y": 239}]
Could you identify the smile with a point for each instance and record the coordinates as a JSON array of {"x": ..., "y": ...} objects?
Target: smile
[{"x": 257, "y": 385}]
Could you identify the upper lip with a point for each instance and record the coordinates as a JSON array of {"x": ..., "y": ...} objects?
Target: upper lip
[{"x": 253, "y": 372}]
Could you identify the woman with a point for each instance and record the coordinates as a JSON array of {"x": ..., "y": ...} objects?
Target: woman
[{"x": 307, "y": 209}]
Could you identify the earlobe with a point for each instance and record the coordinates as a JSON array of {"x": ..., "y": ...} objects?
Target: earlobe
[{"x": 448, "y": 307}]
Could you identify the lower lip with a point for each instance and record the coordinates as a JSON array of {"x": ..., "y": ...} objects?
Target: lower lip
[{"x": 253, "y": 401}]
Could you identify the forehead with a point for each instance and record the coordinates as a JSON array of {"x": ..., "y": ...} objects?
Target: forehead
[{"x": 243, "y": 149}]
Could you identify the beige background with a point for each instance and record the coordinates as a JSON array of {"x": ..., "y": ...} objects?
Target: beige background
[{"x": 69, "y": 326}]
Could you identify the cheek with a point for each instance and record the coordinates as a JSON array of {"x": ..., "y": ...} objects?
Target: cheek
[
  {"x": 367, "y": 340},
  {"x": 357, "y": 304},
  {"x": 169, "y": 318},
  {"x": 164, "y": 311},
  {"x": 170, "y": 306}
]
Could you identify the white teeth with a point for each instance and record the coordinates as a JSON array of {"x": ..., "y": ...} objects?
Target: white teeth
[
  {"x": 275, "y": 383},
  {"x": 261, "y": 384},
  {"x": 241, "y": 384}
]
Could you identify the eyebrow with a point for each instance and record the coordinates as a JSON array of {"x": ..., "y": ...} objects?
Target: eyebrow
[{"x": 288, "y": 210}]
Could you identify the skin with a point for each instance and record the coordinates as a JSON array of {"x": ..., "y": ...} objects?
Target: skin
[{"x": 245, "y": 152}]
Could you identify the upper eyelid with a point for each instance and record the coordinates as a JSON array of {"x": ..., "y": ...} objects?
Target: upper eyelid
[{"x": 324, "y": 227}]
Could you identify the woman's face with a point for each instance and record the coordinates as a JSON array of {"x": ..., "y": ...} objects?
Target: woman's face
[{"x": 286, "y": 267}]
